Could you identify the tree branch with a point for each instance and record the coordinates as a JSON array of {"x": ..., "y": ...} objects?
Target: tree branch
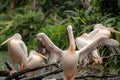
[
  {"x": 14, "y": 75},
  {"x": 106, "y": 57},
  {"x": 44, "y": 74},
  {"x": 4, "y": 73}
]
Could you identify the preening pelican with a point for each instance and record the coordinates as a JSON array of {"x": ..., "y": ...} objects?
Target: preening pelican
[
  {"x": 69, "y": 58},
  {"x": 17, "y": 50},
  {"x": 35, "y": 59},
  {"x": 99, "y": 30}
]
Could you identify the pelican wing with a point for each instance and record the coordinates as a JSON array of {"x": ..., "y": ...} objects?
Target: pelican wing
[
  {"x": 111, "y": 43},
  {"x": 24, "y": 47},
  {"x": 29, "y": 59},
  {"x": 114, "y": 45},
  {"x": 55, "y": 52},
  {"x": 80, "y": 42},
  {"x": 29, "y": 62},
  {"x": 97, "y": 43}
]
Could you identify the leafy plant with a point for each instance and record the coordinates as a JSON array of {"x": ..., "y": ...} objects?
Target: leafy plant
[{"x": 57, "y": 34}]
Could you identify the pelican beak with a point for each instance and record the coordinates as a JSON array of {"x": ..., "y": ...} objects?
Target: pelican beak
[
  {"x": 43, "y": 56},
  {"x": 6, "y": 41},
  {"x": 71, "y": 37}
]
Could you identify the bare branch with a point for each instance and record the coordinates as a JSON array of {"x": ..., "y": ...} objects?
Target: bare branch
[
  {"x": 8, "y": 66},
  {"x": 14, "y": 75},
  {"x": 106, "y": 57},
  {"x": 4, "y": 73},
  {"x": 44, "y": 74}
]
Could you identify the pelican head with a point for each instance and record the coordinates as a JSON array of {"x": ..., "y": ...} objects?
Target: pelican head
[
  {"x": 69, "y": 27},
  {"x": 15, "y": 36},
  {"x": 40, "y": 35},
  {"x": 98, "y": 26}
]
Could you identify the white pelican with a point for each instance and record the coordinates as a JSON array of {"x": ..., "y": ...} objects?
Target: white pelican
[
  {"x": 69, "y": 58},
  {"x": 17, "y": 50},
  {"x": 35, "y": 59},
  {"x": 99, "y": 29},
  {"x": 84, "y": 39}
]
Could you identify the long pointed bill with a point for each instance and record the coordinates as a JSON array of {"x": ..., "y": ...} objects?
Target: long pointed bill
[
  {"x": 6, "y": 41},
  {"x": 43, "y": 56},
  {"x": 115, "y": 31}
]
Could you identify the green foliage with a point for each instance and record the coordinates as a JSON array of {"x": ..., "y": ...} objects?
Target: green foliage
[
  {"x": 27, "y": 25},
  {"x": 60, "y": 5},
  {"x": 109, "y": 6},
  {"x": 4, "y": 6},
  {"x": 57, "y": 34}
]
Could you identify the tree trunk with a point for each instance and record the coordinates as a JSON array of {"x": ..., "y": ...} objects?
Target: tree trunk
[{"x": 12, "y": 7}]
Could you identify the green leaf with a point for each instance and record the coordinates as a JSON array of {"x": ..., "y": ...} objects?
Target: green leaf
[{"x": 7, "y": 27}]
